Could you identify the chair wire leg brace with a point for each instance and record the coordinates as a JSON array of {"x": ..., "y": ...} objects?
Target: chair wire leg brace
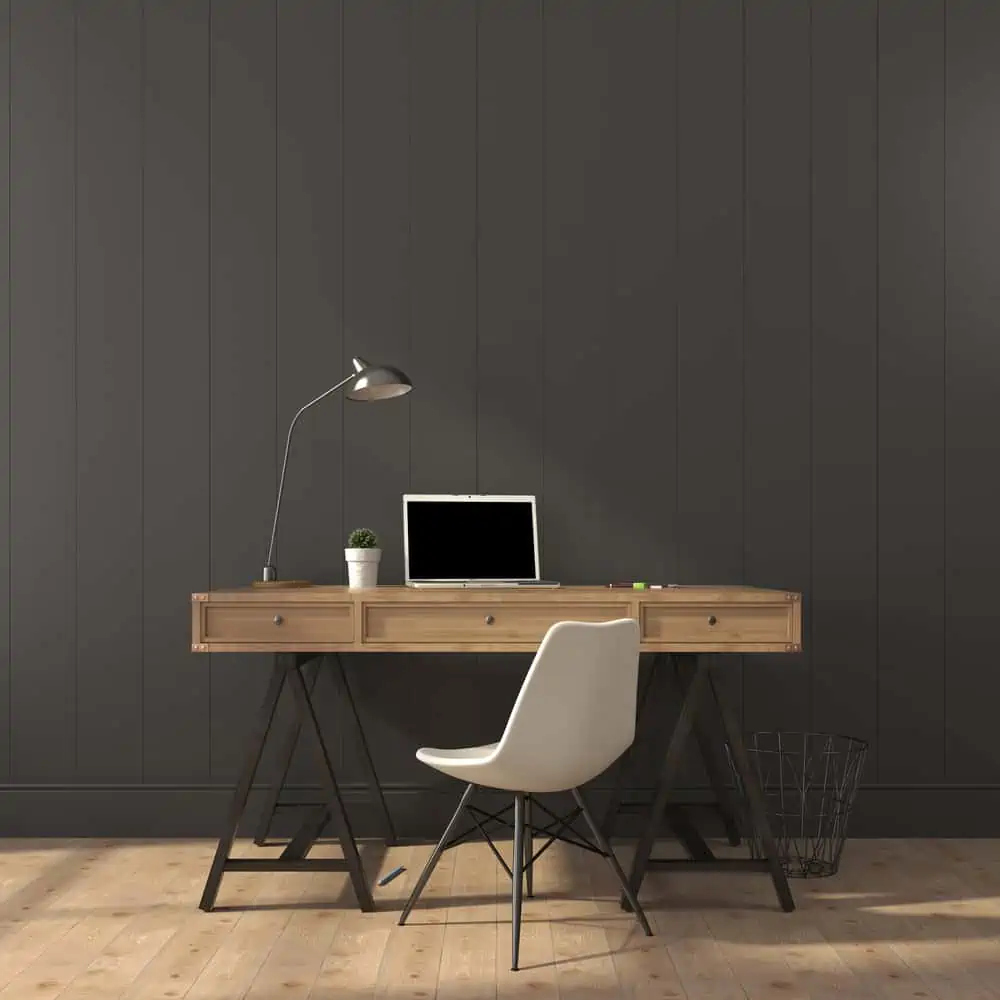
[{"x": 524, "y": 858}]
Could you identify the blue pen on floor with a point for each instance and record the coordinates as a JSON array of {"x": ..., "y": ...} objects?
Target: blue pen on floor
[{"x": 395, "y": 873}]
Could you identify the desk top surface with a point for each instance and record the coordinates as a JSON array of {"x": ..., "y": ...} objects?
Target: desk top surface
[{"x": 699, "y": 594}]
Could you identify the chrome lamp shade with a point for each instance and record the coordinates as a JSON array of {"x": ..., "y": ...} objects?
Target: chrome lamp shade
[{"x": 375, "y": 382}]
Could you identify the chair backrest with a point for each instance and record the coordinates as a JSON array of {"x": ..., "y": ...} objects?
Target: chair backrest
[{"x": 575, "y": 713}]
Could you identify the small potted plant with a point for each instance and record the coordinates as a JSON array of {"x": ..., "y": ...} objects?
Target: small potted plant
[{"x": 362, "y": 554}]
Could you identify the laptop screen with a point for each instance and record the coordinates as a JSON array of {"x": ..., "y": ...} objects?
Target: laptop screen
[{"x": 470, "y": 538}]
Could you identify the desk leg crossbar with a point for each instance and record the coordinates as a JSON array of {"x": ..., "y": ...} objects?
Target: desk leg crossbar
[
  {"x": 289, "y": 671},
  {"x": 524, "y": 856},
  {"x": 698, "y": 688}
]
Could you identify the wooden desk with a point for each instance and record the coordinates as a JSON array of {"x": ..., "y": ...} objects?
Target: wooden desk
[
  {"x": 299, "y": 625},
  {"x": 407, "y": 619}
]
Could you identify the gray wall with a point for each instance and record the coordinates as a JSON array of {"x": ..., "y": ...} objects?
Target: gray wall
[{"x": 717, "y": 282}]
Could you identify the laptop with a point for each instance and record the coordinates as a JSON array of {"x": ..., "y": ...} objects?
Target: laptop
[{"x": 463, "y": 540}]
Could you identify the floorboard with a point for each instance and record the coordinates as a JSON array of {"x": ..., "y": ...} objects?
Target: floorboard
[{"x": 119, "y": 920}]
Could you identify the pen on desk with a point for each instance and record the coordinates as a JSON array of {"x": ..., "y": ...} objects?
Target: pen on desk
[{"x": 395, "y": 873}]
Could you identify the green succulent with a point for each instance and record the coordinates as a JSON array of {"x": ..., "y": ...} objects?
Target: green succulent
[{"x": 362, "y": 538}]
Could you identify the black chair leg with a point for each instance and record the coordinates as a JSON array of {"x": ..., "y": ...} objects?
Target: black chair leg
[
  {"x": 529, "y": 849},
  {"x": 517, "y": 882},
  {"x": 436, "y": 854},
  {"x": 602, "y": 843}
]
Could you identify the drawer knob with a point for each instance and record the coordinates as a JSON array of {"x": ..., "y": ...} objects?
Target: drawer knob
[
  {"x": 278, "y": 620},
  {"x": 490, "y": 619},
  {"x": 712, "y": 620}
]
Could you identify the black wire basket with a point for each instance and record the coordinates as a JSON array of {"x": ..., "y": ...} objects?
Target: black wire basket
[{"x": 810, "y": 782}]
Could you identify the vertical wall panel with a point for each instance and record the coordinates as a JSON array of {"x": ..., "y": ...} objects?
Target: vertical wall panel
[
  {"x": 109, "y": 391},
  {"x": 709, "y": 378},
  {"x": 972, "y": 389},
  {"x": 844, "y": 369},
  {"x": 176, "y": 371},
  {"x": 642, "y": 212},
  {"x": 777, "y": 343},
  {"x": 642, "y": 246},
  {"x": 443, "y": 407},
  {"x": 911, "y": 117},
  {"x": 310, "y": 294},
  {"x": 580, "y": 346},
  {"x": 377, "y": 326},
  {"x": 243, "y": 352},
  {"x": 5, "y": 387},
  {"x": 43, "y": 393},
  {"x": 377, "y": 296},
  {"x": 443, "y": 248},
  {"x": 310, "y": 307},
  {"x": 510, "y": 268}
]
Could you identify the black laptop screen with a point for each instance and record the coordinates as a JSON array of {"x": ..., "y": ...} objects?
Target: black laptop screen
[{"x": 470, "y": 539}]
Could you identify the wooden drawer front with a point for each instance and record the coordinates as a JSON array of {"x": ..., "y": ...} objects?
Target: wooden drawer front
[
  {"x": 289, "y": 623},
  {"x": 717, "y": 624},
  {"x": 473, "y": 623}
]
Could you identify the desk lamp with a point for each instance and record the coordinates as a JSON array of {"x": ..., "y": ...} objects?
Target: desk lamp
[{"x": 369, "y": 383}]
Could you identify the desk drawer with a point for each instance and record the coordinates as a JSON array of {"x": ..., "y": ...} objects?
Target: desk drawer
[
  {"x": 715, "y": 624},
  {"x": 281, "y": 624},
  {"x": 480, "y": 623}
]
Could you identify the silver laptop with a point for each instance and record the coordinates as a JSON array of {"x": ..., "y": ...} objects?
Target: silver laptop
[{"x": 463, "y": 540}]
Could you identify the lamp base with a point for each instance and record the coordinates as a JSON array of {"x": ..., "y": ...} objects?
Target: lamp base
[{"x": 280, "y": 584}]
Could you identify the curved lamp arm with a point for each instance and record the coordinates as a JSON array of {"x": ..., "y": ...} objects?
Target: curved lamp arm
[{"x": 270, "y": 573}]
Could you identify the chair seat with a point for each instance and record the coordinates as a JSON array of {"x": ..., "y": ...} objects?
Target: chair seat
[{"x": 468, "y": 764}]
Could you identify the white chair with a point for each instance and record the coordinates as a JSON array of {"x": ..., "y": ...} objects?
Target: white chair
[{"x": 574, "y": 716}]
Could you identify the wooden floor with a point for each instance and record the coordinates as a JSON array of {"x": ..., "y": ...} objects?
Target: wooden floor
[{"x": 92, "y": 919}]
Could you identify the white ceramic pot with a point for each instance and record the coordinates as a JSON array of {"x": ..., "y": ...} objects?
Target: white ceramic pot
[{"x": 362, "y": 567}]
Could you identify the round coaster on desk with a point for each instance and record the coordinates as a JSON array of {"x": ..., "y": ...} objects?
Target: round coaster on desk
[{"x": 280, "y": 584}]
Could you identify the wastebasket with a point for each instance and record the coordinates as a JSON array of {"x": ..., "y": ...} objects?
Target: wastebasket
[{"x": 810, "y": 782}]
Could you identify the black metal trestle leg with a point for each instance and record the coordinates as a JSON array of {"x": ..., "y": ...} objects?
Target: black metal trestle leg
[
  {"x": 710, "y": 746},
  {"x": 667, "y": 780},
  {"x": 287, "y": 751},
  {"x": 621, "y": 769},
  {"x": 755, "y": 801},
  {"x": 697, "y": 686},
  {"x": 241, "y": 793},
  {"x": 374, "y": 786},
  {"x": 293, "y": 858},
  {"x": 285, "y": 755},
  {"x": 334, "y": 803}
]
